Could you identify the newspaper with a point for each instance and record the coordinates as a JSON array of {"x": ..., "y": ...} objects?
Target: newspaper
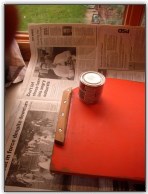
[
  {"x": 59, "y": 54},
  {"x": 29, "y": 150},
  {"x": 121, "y": 47}
]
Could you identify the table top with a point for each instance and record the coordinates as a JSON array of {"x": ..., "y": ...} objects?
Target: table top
[{"x": 106, "y": 139}]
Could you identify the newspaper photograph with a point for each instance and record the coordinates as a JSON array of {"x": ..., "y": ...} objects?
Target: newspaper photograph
[{"x": 29, "y": 149}]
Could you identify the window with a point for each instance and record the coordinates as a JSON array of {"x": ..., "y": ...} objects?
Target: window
[{"x": 103, "y": 14}]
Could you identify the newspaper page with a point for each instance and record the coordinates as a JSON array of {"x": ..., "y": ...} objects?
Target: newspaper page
[
  {"x": 29, "y": 149},
  {"x": 132, "y": 75},
  {"x": 121, "y": 47},
  {"x": 59, "y": 54}
]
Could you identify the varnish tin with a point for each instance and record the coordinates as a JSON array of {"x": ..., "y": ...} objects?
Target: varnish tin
[{"x": 91, "y": 86}]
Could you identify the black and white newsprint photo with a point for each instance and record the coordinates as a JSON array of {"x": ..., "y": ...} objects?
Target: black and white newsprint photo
[
  {"x": 56, "y": 63},
  {"x": 29, "y": 152}
]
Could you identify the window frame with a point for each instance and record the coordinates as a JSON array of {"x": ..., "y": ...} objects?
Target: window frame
[{"x": 133, "y": 15}]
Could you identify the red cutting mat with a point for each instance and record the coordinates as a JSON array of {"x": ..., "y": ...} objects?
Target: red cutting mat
[{"x": 106, "y": 139}]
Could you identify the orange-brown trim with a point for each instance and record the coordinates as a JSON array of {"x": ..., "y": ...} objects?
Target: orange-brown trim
[
  {"x": 134, "y": 15},
  {"x": 22, "y": 39}
]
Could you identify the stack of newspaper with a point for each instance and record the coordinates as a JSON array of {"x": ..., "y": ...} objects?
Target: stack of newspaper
[{"x": 59, "y": 54}]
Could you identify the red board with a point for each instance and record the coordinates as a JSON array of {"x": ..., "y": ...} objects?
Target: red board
[{"x": 108, "y": 138}]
